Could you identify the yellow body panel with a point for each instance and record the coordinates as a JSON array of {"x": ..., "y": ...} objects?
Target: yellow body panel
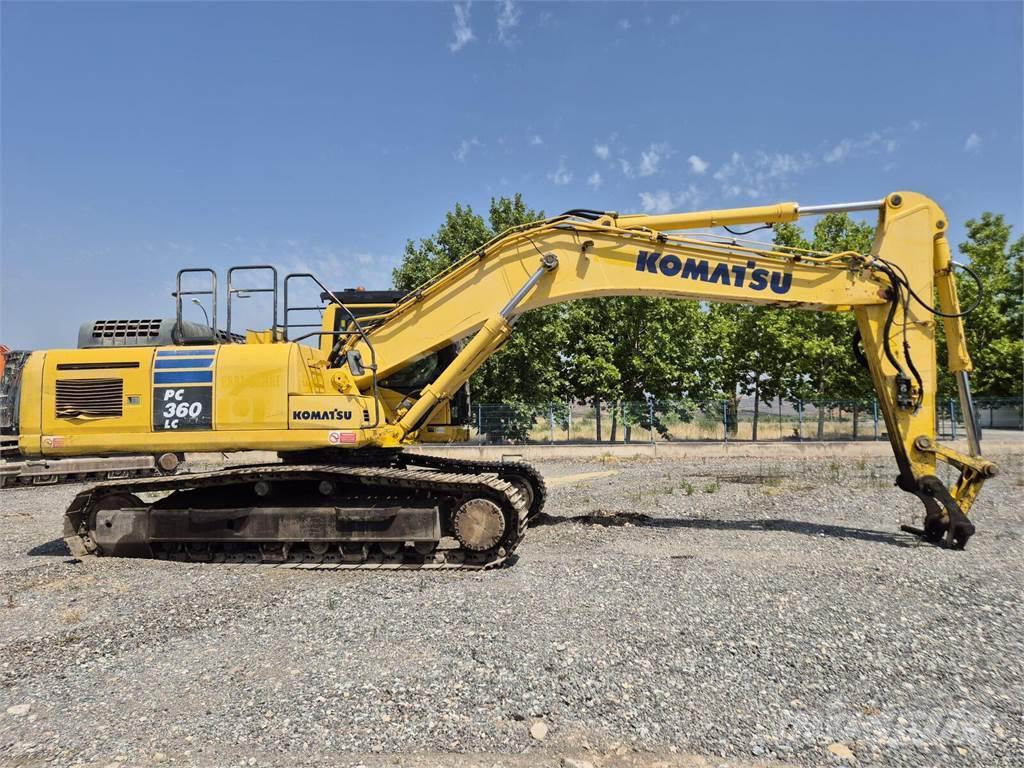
[
  {"x": 251, "y": 386},
  {"x": 331, "y": 411},
  {"x": 30, "y": 411},
  {"x": 92, "y": 365}
]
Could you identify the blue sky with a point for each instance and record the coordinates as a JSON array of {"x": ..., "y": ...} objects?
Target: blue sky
[{"x": 140, "y": 138}]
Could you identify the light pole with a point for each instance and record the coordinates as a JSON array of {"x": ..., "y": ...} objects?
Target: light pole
[{"x": 199, "y": 304}]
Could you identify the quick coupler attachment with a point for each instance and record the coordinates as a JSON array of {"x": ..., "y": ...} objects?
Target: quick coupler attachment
[{"x": 945, "y": 524}]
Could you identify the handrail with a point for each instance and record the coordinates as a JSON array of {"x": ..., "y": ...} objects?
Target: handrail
[
  {"x": 179, "y": 335},
  {"x": 232, "y": 291}
]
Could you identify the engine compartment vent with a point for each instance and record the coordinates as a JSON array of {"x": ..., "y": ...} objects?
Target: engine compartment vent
[
  {"x": 89, "y": 397},
  {"x": 96, "y": 334},
  {"x": 137, "y": 330}
]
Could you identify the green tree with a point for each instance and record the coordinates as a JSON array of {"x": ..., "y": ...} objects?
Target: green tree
[
  {"x": 817, "y": 345},
  {"x": 660, "y": 349},
  {"x": 994, "y": 329},
  {"x": 462, "y": 233},
  {"x": 527, "y": 371},
  {"x": 752, "y": 361},
  {"x": 589, "y": 361},
  {"x": 635, "y": 352}
]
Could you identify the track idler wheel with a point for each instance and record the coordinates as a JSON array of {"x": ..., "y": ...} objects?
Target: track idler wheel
[
  {"x": 82, "y": 518},
  {"x": 479, "y": 524}
]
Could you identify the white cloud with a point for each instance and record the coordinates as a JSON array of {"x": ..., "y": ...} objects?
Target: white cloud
[
  {"x": 869, "y": 144},
  {"x": 698, "y": 164},
  {"x": 688, "y": 197},
  {"x": 973, "y": 143},
  {"x": 915, "y": 125},
  {"x": 536, "y": 141},
  {"x": 595, "y": 180},
  {"x": 460, "y": 27},
  {"x": 656, "y": 202},
  {"x": 602, "y": 151},
  {"x": 780, "y": 164},
  {"x": 508, "y": 20},
  {"x": 561, "y": 175},
  {"x": 761, "y": 173},
  {"x": 674, "y": 19},
  {"x": 335, "y": 266},
  {"x": 650, "y": 160},
  {"x": 728, "y": 170},
  {"x": 465, "y": 146},
  {"x": 626, "y": 166},
  {"x": 625, "y": 24},
  {"x": 839, "y": 151},
  {"x": 663, "y": 201}
]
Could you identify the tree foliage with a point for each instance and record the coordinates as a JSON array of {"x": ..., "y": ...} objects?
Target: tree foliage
[
  {"x": 994, "y": 329},
  {"x": 821, "y": 365},
  {"x": 527, "y": 371}
]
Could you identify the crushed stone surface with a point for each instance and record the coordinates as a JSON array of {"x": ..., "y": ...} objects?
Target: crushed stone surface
[{"x": 714, "y": 612}]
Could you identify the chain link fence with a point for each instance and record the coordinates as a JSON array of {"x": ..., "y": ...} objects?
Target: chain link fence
[{"x": 718, "y": 420}]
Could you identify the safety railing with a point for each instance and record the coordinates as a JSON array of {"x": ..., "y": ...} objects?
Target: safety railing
[
  {"x": 179, "y": 293},
  {"x": 234, "y": 291}
]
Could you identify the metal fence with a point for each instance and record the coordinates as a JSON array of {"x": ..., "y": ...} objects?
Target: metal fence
[{"x": 719, "y": 420}]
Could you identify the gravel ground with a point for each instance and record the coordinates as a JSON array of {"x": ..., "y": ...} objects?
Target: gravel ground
[{"x": 717, "y": 612}]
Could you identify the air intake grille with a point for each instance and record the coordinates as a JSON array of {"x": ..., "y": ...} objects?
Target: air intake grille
[
  {"x": 123, "y": 329},
  {"x": 89, "y": 397}
]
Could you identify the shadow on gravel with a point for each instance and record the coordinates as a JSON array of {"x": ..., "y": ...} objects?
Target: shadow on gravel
[
  {"x": 50, "y": 548},
  {"x": 618, "y": 519}
]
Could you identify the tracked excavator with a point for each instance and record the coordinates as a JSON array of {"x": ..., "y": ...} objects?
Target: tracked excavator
[{"x": 339, "y": 399}]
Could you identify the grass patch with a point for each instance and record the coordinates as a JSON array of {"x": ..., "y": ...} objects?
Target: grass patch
[{"x": 72, "y": 616}]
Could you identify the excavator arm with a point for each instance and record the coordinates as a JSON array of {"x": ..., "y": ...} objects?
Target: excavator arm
[{"x": 585, "y": 254}]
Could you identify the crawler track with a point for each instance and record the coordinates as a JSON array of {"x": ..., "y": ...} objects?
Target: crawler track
[
  {"x": 521, "y": 474},
  {"x": 316, "y": 516}
]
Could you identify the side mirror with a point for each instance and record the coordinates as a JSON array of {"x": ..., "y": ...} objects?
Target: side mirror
[{"x": 355, "y": 362}]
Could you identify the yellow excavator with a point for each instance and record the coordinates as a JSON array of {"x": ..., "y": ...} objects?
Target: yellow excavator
[{"x": 380, "y": 372}]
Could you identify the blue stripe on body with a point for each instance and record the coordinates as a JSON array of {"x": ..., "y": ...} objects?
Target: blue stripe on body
[
  {"x": 186, "y": 352},
  {"x": 202, "y": 362},
  {"x": 183, "y": 377}
]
